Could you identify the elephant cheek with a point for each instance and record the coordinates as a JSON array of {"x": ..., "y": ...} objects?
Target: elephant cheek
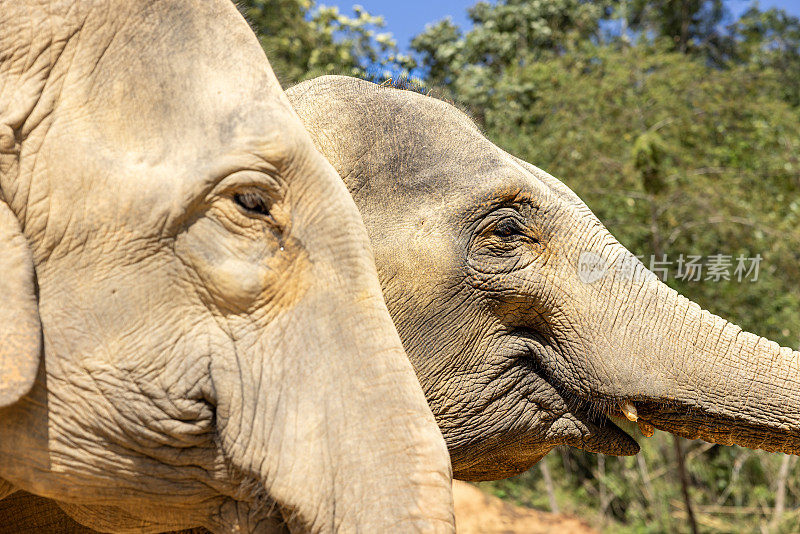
[
  {"x": 235, "y": 284},
  {"x": 239, "y": 274}
]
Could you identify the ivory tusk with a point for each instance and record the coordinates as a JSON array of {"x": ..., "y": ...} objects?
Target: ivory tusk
[{"x": 629, "y": 411}]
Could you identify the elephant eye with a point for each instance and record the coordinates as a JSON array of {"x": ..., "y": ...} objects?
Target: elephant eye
[
  {"x": 252, "y": 202},
  {"x": 508, "y": 227}
]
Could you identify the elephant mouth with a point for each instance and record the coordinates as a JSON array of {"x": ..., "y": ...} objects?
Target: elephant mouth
[
  {"x": 554, "y": 415},
  {"x": 593, "y": 425},
  {"x": 597, "y": 428},
  {"x": 576, "y": 423}
]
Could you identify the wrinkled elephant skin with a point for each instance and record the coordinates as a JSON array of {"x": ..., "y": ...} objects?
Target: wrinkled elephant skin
[{"x": 192, "y": 331}]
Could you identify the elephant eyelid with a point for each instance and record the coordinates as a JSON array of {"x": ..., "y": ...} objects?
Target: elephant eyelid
[
  {"x": 494, "y": 217},
  {"x": 523, "y": 206},
  {"x": 252, "y": 203}
]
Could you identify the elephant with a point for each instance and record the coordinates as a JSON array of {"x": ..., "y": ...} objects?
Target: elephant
[
  {"x": 192, "y": 331},
  {"x": 518, "y": 350},
  {"x": 529, "y": 325}
]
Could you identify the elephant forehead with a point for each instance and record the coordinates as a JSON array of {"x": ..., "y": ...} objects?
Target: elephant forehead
[
  {"x": 446, "y": 182},
  {"x": 422, "y": 151},
  {"x": 161, "y": 93}
]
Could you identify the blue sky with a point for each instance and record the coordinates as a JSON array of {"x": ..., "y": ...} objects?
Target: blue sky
[{"x": 406, "y": 18}]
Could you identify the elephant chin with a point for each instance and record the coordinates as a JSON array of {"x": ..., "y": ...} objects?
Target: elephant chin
[{"x": 476, "y": 465}]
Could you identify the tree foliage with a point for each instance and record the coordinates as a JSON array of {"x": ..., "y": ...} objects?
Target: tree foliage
[
  {"x": 770, "y": 40},
  {"x": 510, "y": 32},
  {"x": 688, "y": 24},
  {"x": 304, "y": 40}
]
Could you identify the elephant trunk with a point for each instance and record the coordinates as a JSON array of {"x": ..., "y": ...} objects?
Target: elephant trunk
[
  {"x": 659, "y": 358},
  {"x": 715, "y": 382}
]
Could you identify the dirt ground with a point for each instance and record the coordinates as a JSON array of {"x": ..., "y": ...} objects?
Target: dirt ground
[{"x": 479, "y": 513}]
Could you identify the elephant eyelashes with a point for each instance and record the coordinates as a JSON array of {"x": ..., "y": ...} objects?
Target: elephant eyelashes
[{"x": 252, "y": 202}]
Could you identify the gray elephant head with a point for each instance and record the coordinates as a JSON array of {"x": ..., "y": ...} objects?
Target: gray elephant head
[
  {"x": 192, "y": 330},
  {"x": 528, "y": 324}
]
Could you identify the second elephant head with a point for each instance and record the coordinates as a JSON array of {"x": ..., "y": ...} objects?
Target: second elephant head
[{"x": 528, "y": 324}]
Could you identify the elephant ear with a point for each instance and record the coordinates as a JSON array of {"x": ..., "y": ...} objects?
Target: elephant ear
[{"x": 20, "y": 327}]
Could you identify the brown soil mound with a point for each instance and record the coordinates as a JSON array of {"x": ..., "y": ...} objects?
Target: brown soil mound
[{"x": 479, "y": 513}]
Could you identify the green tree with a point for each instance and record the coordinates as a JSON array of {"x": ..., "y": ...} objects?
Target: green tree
[
  {"x": 770, "y": 40},
  {"x": 440, "y": 49},
  {"x": 689, "y": 24},
  {"x": 505, "y": 33},
  {"x": 304, "y": 40}
]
